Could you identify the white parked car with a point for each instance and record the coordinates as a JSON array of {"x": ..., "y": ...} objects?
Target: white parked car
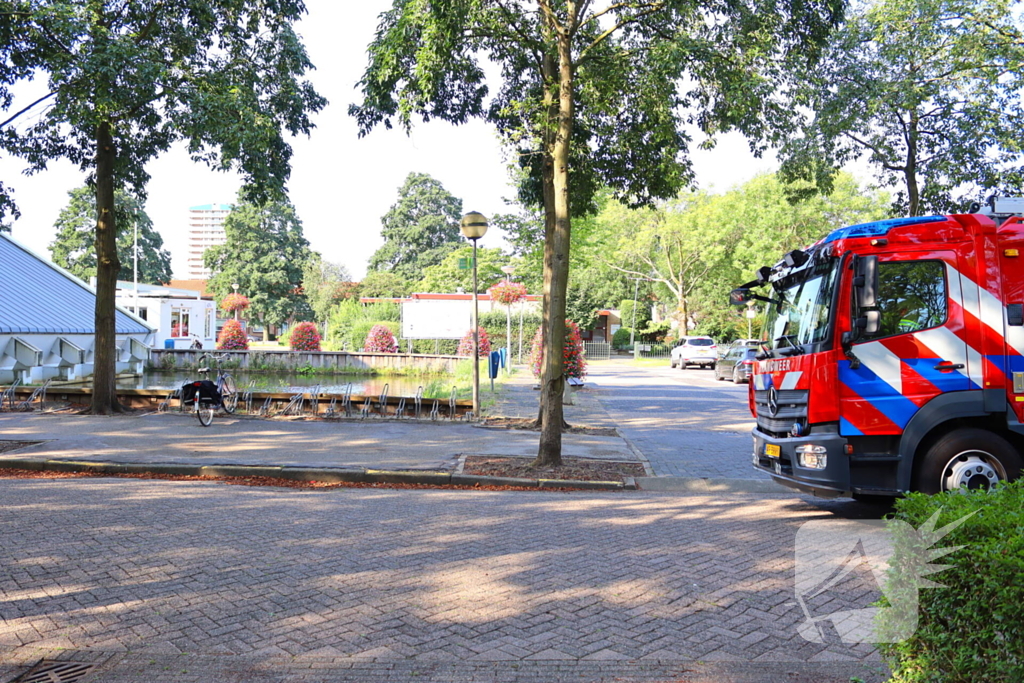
[{"x": 694, "y": 351}]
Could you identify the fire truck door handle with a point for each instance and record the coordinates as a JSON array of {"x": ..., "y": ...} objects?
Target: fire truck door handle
[{"x": 949, "y": 366}]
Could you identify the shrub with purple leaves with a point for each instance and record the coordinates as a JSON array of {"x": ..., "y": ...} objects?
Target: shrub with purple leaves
[
  {"x": 380, "y": 340},
  {"x": 305, "y": 337},
  {"x": 466, "y": 345},
  {"x": 233, "y": 337},
  {"x": 575, "y": 363}
]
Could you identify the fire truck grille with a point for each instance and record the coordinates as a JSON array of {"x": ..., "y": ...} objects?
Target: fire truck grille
[{"x": 792, "y": 407}]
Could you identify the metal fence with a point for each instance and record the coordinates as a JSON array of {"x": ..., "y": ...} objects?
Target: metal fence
[
  {"x": 597, "y": 350},
  {"x": 653, "y": 350}
]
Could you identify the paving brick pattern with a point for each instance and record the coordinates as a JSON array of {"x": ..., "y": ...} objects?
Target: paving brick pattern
[{"x": 367, "y": 580}]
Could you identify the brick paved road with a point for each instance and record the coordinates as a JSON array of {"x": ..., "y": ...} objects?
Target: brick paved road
[
  {"x": 184, "y": 581},
  {"x": 684, "y": 422}
]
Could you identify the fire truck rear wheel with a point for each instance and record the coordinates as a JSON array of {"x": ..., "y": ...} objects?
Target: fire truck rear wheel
[{"x": 968, "y": 458}]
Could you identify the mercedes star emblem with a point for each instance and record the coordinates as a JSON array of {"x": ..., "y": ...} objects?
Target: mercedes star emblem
[{"x": 773, "y": 401}]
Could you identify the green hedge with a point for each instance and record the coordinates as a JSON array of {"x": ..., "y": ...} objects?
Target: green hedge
[{"x": 972, "y": 629}]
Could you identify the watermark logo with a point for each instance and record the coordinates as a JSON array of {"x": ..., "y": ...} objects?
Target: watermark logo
[{"x": 837, "y": 560}]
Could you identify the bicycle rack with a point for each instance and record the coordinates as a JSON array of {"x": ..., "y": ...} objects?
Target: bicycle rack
[
  {"x": 165, "y": 404},
  {"x": 40, "y": 393},
  {"x": 418, "y": 400},
  {"x": 295, "y": 405},
  {"x": 451, "y": 403},
  {"x": 332, "y": 408},
  {"x": 314, "y": 399},
  {"x": 266, "y": 407},
  {"x": 383, "y": 400},
  {"x": 364, "y": 412},
  {"x": 247, "y": 396},
  {"x": 435, "y": 411},
  {"x": 346, "y": 400},
  {"x": 8, "y": 395}
]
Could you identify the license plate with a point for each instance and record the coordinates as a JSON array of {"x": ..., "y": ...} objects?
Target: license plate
[{"x": 772, "y": 451}]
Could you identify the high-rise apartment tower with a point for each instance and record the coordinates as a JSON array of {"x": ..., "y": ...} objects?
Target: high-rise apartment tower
[{"x": 205, "y": 230}]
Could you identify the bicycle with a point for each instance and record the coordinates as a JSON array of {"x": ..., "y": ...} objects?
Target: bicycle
[{"x": 204, "y": 406}]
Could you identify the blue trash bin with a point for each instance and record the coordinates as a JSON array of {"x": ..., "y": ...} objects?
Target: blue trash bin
[{"x": 168, "y": 343}]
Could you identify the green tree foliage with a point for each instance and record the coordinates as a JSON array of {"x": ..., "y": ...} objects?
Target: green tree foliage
[
  {"x": 265, "y": 254},
  {"x": 448, "y": 276},
  {"x": 593, "y": 92},
  {"x": 349, "y": 314},
  {"x": 74, "y": 248},
  {"x": 325, "y": 284},
  {"x": 929, "y": 92},
  {"x": 384, "y": 285},
  {"x": 698, "y": 247},
  {"x": 126, "y": 80},
  {"x": 420, "y": 229}
]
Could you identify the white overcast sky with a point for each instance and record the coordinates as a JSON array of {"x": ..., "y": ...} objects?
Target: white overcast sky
[{"x": 341, "y": 185}]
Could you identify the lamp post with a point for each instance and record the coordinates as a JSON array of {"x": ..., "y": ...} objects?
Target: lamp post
[
  {"x": 751, "y": 314},
  {"x": 474, "y": 226},
  {"x": 234, "y": 286},
  {"x": 508, "y": 270}
]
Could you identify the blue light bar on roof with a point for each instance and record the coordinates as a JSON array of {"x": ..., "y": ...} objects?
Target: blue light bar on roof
[{"x": 878, "y": 228}]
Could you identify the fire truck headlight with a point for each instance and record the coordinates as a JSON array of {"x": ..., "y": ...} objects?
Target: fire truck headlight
[{"x": 813, "y": 457}]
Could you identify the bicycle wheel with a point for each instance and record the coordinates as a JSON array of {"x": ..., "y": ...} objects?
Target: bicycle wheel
[
  {"x": 204, "y": 411},
  {"x": 228, "y": 394}
]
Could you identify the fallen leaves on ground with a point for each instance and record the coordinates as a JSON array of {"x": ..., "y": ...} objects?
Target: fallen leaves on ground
[
  {"x": 12, "y": 473},
  {"x": 578, "y": 469},
  {"x": 531, "y": 425}
]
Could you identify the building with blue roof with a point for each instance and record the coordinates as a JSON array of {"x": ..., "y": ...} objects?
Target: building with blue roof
[{"x": 47, "y": 322}]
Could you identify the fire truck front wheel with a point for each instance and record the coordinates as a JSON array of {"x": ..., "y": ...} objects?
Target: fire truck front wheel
[{"x": 968, "y": 458}]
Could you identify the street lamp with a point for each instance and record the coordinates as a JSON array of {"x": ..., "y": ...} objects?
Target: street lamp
[
  {"x": 508, "y": 270},
  {"x": 234, "y": 286},
  {"x": 474, "y": 226}
]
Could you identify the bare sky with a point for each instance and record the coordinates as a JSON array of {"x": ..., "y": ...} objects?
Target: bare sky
[{"x": 341, "y": 185}]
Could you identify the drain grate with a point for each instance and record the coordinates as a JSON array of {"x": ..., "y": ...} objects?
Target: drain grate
[{"x": 49, "y": 671}]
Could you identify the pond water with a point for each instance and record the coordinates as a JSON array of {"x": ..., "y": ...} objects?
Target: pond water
[{"x": 362, "y": 385}]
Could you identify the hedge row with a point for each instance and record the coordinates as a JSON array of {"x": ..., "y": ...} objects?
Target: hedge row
[{"x": 972, "y": 629}]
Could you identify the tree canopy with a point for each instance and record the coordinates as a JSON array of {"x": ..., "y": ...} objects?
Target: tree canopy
[
  {"x": 419, "y": 229},
  {"x": 74, "y": 248},
  {"x": 125, "y": 80},
  {"x": 589, "y": 95},
  {"x": 325, "y": 284},
  {"x": 929, "y": 92},
  {"x": 455, "y": 272},
  {"x": 265, "y": 254}
]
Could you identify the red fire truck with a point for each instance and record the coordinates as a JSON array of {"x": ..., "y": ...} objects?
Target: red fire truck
[{"x": 894, "y": 356}]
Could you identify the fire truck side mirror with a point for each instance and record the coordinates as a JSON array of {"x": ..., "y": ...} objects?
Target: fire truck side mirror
[
  {"x": 865, "y": 281},
  {"x": 739, "y": 296},
  {"x": 869, "y": 323}
]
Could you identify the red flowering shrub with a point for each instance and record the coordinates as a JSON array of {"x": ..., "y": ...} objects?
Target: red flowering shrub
[
  {"x": 466, "y": 345},
  {"x": 507, "y": 292},
  {"x": 234, "y": 302},
  {"x": 380, "y": 340},
  {"x": 233, "y": 337},
  {"x": 305, "y": 337},
  {"x": 572, "y": 352}
]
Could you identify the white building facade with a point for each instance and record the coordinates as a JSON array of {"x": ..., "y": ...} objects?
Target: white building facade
[{"x": 180, "y": 316}]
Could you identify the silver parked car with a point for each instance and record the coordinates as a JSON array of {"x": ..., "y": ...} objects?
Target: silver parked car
[{"x": 700, "y": 351}]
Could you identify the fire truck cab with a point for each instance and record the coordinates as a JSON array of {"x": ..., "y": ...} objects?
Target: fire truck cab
[{"x": 893, "y": 357}]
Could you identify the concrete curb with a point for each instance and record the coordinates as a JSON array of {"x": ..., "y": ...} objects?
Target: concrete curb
[{"x": 323, "y": 474}]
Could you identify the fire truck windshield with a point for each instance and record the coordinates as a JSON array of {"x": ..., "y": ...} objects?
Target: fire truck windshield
[{"x": 803, "y": 312}]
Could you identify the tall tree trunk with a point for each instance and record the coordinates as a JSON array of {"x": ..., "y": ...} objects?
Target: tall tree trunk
[
  {"x": 556, "y": 273},
  {"x": 910, "y": 171},
  {"x": 104, "y": 393}
]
